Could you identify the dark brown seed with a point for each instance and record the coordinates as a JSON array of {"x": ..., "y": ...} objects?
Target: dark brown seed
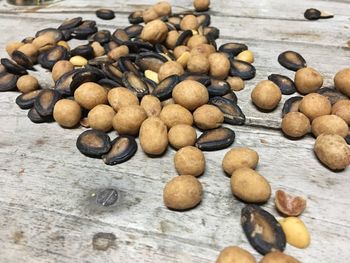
[
  {"x": 67, "y": 34},
  {"x": 216, "y": 139},
  {"x": 203, "y": 20},
  {"x": 165, "y": 88},
  {"x": 285, "y": 84},
  {"x": 175, "y": 21},
  {"x": 122, "y": 149},
  {"x": 291, "y": 105},
  {"x": 262, "y": 229},
  {"x": 150, "y": 84},
  {"x": 120, "y": 36},
  {"x": 202, "y": 78},
  {"x": 12, "y": 67},
  {"x": 70, "y": 23},
  {"x": 93, "y": 143},
  {"x": 99, "y": 61},
  {"x": 150, "y": 60},
  {"x": 211, "y": 31},
  {"x": 45, "y": 102},
  {"x": 138, "y": 46},
  {"x": 101, "y": 36},
  {"x": 85, "y": 51},
  {"x": 314, "y": 14},
  {"x": 112, "y": 72},
  {"x": 105, "y": 14},
  {"x": 62, "y": 85},
  {"x": 242, "y": 69},
  {"x": 84, "y": 30},
  {"x": 232, "y": 112},
  {"x": 8, "y": 81},
  {"x": 291, "y": 60},
  {"x": 183, "y": 38},
  {"x": 332, "y": 94},
  {"x": 125, "y": 64},
  {"x": 133, "y": 30},
  {"x": 83, "y": 76},
  {"x": 135, "y": 84},
  {"x": 53, "y": 31},
  {"x": 49, "y": 58},
  {"x": 135, "y": 17},
  {"x": 34, "y": 116},
  {"x": 218, "y": 87},
  {"x": 107, "y": 197},
  {"x": 26, "y": 100},
  {"x": 28, "y": 40},
  {"x": 231, "y": 96},
  {"x": 2, "y": 70},
  {"x": 170, "y": 26},
  {"x": 22, "y": 59},
  {"x": 108, "y": 83},
  {"x": 347, "y": 139}
]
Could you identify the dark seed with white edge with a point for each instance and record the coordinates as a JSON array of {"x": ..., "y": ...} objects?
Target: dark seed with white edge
[
  {"x": 285, "y": 84},
  {"x": 112, "y": 72},
  {"x": 164, "y": 89},
  {"x": 122, "y": 149},
  {"x": 332, "y": 94},
  {"x": 26, "y": 100},
  {"x": 291, "y": 60},
  {"x": 135, "y": 84},
  {"x": 45, "y": 102},
  {"x": 84, "y": 30},
  {"x": 262, "y": 229},
  {"x": 49, "y": 58},
  {"x": 13, "y": 67},
  {"x": 8, "y": 81},
  {"x": 291, "y": 105},
  {"x": 218, "y": 88},
  {"x": 93, "y": 143},
  {"x": 107, "y": 197},
  {"x": 212, "y": 32},
  {"x": 35, "y": 117},
  {"x": 216, "y": 139},
  {"x": 232, "y": 112},
  {"x": 242, "y": 69},
  {"x": 105, "y": 14}
]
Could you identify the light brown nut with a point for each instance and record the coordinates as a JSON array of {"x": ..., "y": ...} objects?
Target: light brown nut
[
  {"x": 154, "y": 32},
  {"x": 246, "y": 55},
  {"x": 198, "y": 64},
  {"x": 249, "y": 186},
  {"x": 295, "y": 124},
  {"x": 27, "y": 83},
  {"x": 289, "y": 205},
  {"x": 196, "y": 40},
  {"x": 30, "y": 51},
  {"x": 171, "y": 39},
  {"x": 190, "y": 94},
  {"x": 296, "y": 232},
  {"x": 332, "y": 151},
  {"x": 234, "y": 254},
  {"x": 12, "y": 47},
  {"x": 162, "y": 8},
  {"x": 239, "y": 157},
  {"x": 182, "y": 192},
  {"x": 118, "y": 52},
  {"x": 342, "y": 81},
  {"x": 90, "y": 94},
  {"x": 78, "y": 61},
  {"x": 61, "y": 67},
  {"x": 179, "y": 50},
  {"x": 121, "y": 97},
  {"x": 100, "y": 117},
  {"x": 314, "y": 105},
  {"x": 189, "y": 22},
  {"x": 201, "y": 5},
  {"x": 153, "y": 136},
  {"x": 266, "y": 95},
  {"x": 278, "y": 257},
  {"x": 128, "y": 119},
  {"x": 170, "y": 68},
  {"x": 184, "y": 58},
  {"x": 189, "y": 160},
  {"x": 67, "y": 113},
  {"x": 97, "y": 49},
  {"x": 307, "y": 80},
  {"x": 236, "y": 83},
  {"x": 208, "y": 117},
  {"x": 329, "y": 124},
  {"x": 151, "y": 105},
  {"x": 182, "y": 135},
  {"x": 219, "y": 65},
  {"x": 203, "y": 50},
  {"x": 174, "y": 114},
  {"x": 45, "y": 40},
  {"x": 149, "y": 14},
  {"x": 342, "y": 109}
]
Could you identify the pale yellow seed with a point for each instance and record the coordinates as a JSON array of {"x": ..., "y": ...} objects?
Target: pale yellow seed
[
  {"x": 246, "y": 56},
  {"x": 78, "y": 61},
  {"x": 152, "y": 75},
  {"x": 194, "y": 32},
  {"x": 183, "y": 59},
  {"x": 64, "y": 44},
  {"x": 296, "y": 232},
  {"x": 166, "y": 56}
]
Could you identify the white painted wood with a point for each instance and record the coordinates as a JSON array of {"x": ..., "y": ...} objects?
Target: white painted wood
[{"x": 47, "y": 212}]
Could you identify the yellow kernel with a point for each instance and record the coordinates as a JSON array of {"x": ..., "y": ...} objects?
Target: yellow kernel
[
  {"x": 166, "y": 56},
  {"x": 183, "y": 59},
  {"x": 246, "y": 56},
  {"x": 78, "y": 61},
  {"x": 152, "y": 75},
  {"x": 296, "y": 232}
]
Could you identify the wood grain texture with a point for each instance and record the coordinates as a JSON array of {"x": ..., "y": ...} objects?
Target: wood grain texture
[{"x": 48, "y": 210}]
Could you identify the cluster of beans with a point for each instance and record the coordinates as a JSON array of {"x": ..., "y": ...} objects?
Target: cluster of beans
[{"x": 159, "y": 81}]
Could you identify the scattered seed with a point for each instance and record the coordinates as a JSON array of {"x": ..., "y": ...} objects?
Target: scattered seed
[
  {"x": 291, "y": 60},
  {"x": 216, "y": 139},
  {"x": 122, "y": 149},
  {"x": 285, "y": 84},
  {"x": 105, "y": 14},
  {"x": 93, "y": 143},
  {"x": 232, "y": 112},
  {"x": 107, "y": 197},
  {"x": 164, "y": 89},
  {"x": 242, "y": 69}
]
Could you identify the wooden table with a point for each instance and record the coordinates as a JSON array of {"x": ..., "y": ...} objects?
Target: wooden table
[{"x": 47, "y": 207}]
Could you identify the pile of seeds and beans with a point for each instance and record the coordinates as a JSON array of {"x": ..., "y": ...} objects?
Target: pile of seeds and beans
[{"x": 163, "y": 78}]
